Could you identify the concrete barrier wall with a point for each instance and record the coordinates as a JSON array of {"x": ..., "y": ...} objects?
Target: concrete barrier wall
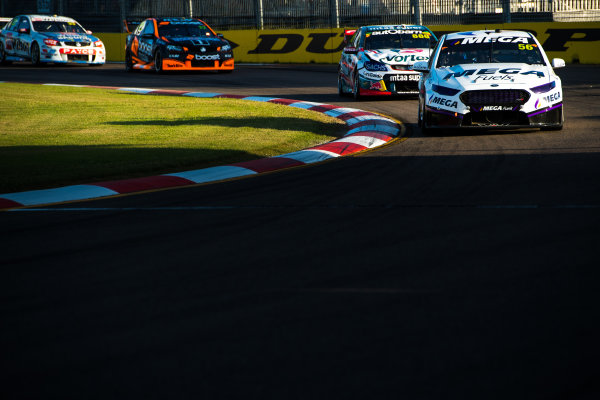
[{"x": 574, "y": 42}]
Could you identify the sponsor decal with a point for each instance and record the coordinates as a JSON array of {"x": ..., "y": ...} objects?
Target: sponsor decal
[
  {"x": 496, "y": 108},
  {"x": 443, "y": 102},
  {"x": 490, "y": 71},
  {"x": 404, "y": 78},
  {"x": 418, "y": 33},
  {"x": 207, "y": 58},
  {"x": 21, "y": 46},
  {"x": 372, "y": 75},
  {"x": 145, "y": 47},
  {"x": 172, "y": 65},
  {"x": 406, "y": 58},
  {"x": 63, "y": 50},
  {"x": 377, "y": 86},
  {"x": 488, "y": 39},
  {"x": 551, "y": 98}
]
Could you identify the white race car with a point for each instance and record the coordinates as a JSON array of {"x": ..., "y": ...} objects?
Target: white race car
[
  {"x": 377, "y": 60},
  {"x": 491, "y": 79},
  {"x": 49, "y": 39}
]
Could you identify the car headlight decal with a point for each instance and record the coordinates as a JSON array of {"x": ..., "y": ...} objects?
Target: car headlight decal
[
  {"x": 226, "y": 48},
  {"x": 544, "y": 88},
  {"x": 174, "y": 48},
  {"x": 443, "y": 90},
  {"x": 98, "y": 43}
]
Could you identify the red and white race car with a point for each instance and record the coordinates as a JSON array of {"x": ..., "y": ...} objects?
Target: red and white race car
[{"x": 49, "y": 39}]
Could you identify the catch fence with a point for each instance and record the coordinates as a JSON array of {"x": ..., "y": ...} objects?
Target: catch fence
[{"x": 108, "y": 15}]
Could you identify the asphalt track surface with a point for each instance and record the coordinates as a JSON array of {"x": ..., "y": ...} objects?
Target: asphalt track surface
[{"x": 456, "y": 265}]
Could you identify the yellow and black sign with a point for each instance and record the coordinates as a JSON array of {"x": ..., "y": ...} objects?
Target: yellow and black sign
[{"x": 574, "y": 42}]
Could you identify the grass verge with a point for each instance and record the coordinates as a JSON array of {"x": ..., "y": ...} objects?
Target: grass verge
[{"x": 53, "y": 135}]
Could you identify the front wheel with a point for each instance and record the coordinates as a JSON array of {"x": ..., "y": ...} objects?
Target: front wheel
[
  {"x": 341, "y": 85},
  {"x": 35, "y": 54},
  {"x": 423, "y": 120},
  {"x": 158, "y": 63},
  {"x": 128, "y": 62},
  {"x": 356, "y": 88}
]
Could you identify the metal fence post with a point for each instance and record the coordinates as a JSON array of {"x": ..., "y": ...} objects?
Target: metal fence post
[
  {"x": 258, "y": 11},
  {"x": 416, "y": 11},
  {"x": 506, "y": 11},
  {"x": 334, "y": 11},
  {"x": 190, "y": 9},
  {"x": 123, "y": 15}
]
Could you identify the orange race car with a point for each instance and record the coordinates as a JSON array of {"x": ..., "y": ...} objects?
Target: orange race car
[{"x": 177, "y": 44}]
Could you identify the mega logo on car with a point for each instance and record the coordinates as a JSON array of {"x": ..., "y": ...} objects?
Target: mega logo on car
[{"x": 490, "y": 79}]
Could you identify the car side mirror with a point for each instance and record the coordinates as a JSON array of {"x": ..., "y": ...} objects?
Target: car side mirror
[
  {"x": 350, "y": 50},
  {"x": 24, "y": 30},
  {"x": 220, "y": 35},
  {"x": 421, "y": 66},
  {"x": 89, "y": 32},
  {"x": 558, "y": 63}
]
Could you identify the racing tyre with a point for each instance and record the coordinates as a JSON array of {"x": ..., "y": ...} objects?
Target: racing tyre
[
  {"x": 3, "y": 55},
  {"x": 356, "y": 88},
  {"x": 158, "y": 63},
  {"x": 128, "y": 62},
  {"x": 35, "y": 54},
  {"x": 341, "y": 86},
  {"x": 422, "y": 121},
  {"x": 556, "y": 127}
]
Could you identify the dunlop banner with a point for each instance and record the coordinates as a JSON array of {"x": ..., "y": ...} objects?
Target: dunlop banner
[{"x": 574, "y": 42}]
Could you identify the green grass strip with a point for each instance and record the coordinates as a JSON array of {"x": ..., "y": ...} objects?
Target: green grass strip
[{"x": 52, "y": 135}]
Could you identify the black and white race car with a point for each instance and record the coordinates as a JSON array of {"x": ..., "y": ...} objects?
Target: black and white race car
[
  {"x": 377, "y": 60},
  {"x": 491, "y": 79}
]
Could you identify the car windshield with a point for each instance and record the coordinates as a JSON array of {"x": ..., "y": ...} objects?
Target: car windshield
[
  {"x": 195, "y": 29},
  {"x": 501, "y": 50},
  {"x": 57, "y": 26},
  {"x": 395, "y": 40}
]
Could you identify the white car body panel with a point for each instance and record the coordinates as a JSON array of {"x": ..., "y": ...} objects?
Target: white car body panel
[{"x": 69, "y": 47}]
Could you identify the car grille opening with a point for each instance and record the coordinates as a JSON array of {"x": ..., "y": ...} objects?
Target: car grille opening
[
  {"x": 78, "y": 57},
  {"x": 498, "y": 97},
  {"x": 81, "y": 44},
  {"x": 203, "y": 63}
]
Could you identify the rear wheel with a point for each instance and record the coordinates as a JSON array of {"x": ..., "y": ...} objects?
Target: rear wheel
[
  {"x": 158, "y": 62},
  {"x": 3, "y": 55},
  {"x": 35, "y": 54}
]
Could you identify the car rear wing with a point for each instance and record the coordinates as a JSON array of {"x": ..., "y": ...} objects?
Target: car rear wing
[
  {"x": 130, "y": 24},
  {"x": 348, "y": 33}
]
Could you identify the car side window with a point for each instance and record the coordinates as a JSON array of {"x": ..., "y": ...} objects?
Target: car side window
[
  {"x": 24, "y": 23},
  {"x": 356, "y": 38},
  {"x": 149, "y": 28}
]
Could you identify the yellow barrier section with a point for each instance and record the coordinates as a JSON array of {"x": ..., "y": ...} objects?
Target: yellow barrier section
[
  {"x": 574, "y": 42},
  {"x": 114, "y": 44}
]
